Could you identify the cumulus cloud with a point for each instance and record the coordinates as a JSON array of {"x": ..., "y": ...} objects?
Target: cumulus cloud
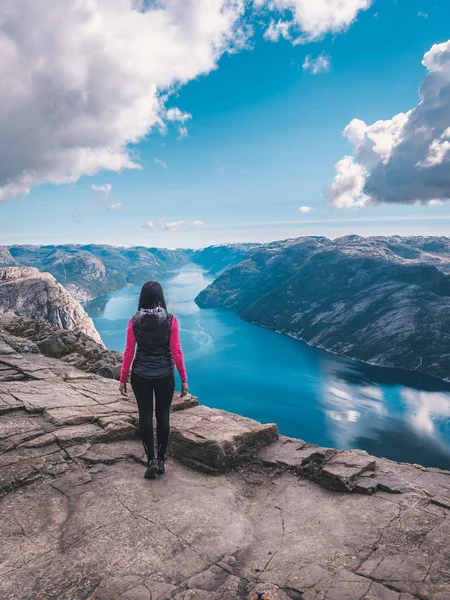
[
  {"x": 438, "y": 151},
  {"x": 161, "y": 163},
  {"x": 405, "y": 159},
  {"x": 148, "y": 225},
  {"x": 347, "y": 189},
  {"x": 303, "y": 21},
  {"x": 176, "y": 225},
  {"x": 115, "y": 206},
  {"x": 305, "y": 209},
  {"x": 320, "y": 64},
  {"x": 87, "y": 79}
]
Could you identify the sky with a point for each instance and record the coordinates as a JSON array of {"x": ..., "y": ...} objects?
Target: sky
[{"x": 185, "y": 123}]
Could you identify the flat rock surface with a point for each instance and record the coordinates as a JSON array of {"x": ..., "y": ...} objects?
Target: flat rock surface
[{"x": 279, "y": 519}]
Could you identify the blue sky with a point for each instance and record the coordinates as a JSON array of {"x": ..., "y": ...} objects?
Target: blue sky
[{"x": 263, "y": 140}]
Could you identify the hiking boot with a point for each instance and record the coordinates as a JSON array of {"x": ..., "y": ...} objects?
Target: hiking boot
[
  {"x": 161, "y": 467},
  {"x": 152, "y": 469}
]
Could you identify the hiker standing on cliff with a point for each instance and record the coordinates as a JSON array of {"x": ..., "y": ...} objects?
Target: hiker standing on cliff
[{"x": 154, "y": 334}]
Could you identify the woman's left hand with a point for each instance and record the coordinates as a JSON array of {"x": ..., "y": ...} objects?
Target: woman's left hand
[{"x": 123, "y": 388}]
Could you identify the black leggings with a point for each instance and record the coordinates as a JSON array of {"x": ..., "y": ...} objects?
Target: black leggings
[{"x": 143, "y": 389}]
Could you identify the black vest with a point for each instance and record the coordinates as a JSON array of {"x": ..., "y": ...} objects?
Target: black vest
[{"x": 152, "y": 331}]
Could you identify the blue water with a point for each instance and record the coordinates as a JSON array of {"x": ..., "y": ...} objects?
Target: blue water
[{"x": 309, "y": 393}]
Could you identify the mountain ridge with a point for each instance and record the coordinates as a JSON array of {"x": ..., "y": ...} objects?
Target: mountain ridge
[
  {"x": 381, "y": 300},
  {"x": 88, "y": 271}
]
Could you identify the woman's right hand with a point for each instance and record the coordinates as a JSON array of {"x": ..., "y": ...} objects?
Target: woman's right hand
[
  {"x": 184, "y": 389},
  {"x": 123, "y": 388}
]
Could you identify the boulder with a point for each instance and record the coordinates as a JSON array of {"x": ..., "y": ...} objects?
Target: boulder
[
  {"x": 344, "y": 467},
  {"x": 214, "y": 441}
]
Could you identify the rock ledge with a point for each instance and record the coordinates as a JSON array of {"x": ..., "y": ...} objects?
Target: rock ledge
[{"x": 280, "y": 519}]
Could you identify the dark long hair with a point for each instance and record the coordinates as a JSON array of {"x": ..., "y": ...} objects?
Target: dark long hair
[{"x": 152, "y": 295}]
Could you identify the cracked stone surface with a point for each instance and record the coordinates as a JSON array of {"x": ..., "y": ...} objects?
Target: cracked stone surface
[{"x": 240, "y": 513}]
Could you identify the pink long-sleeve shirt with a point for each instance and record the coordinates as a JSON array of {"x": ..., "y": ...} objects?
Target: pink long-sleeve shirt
[{"x": 175, "y": 348}]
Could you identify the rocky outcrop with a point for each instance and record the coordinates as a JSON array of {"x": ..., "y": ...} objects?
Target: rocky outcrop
[
  {"x": 6, "y": 258},
  {"x": 214, "y": 441},
  {"x": 279, "y": 520},
  {"x": 385, "y": 301},
  {"x": 71, "y": 346},
  {"x": 35, "y": 296}
]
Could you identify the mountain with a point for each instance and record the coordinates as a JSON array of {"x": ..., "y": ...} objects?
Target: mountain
[
  {"x": 35, "y": 296},
  {"x": 216, "y": 259},
  {"x": 381, "y": 300},
  {"x": 95, "y": 270}
]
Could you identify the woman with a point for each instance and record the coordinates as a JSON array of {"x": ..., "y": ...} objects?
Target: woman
[{"x": 155, "y": 333}]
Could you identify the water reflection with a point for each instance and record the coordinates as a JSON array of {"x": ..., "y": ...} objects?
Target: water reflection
[
  {"x": 311, "y": 394},
  {"x": 372, "y": 408}
]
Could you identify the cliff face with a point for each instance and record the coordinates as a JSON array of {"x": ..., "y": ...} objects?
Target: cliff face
[
  {"x": 36, "y": 296},
  {"x": 292, "y": 520},
  {"x": 6, "y": 258},
  {"x": 380, "y": 300}
]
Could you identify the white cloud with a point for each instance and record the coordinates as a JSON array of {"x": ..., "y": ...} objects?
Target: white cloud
[
  {"x": 176, "y": 225},
  {"x": 438, "y": 151},
  {"x": 347, "y": 189},
  {"x": 277, "y": 30},
  {"x": 87, "y": 78},
  {"x": 180, "y": 118},
  {"x": 321, "y": 64},
  {"x": 424, "y": 15},
  {"x": 405, "y": 159},
  {"x": 311, "y": 19},
  {"x": 305, "y": 209},
  {"x": 175, "y": 114},
  {"x": 148, "y": 225},
  {"x": 115, "y": 206},
  {"x": 104, "y": 190},
  {"x": 161, "y": 163},
  {"x": 377, "y": 141}
]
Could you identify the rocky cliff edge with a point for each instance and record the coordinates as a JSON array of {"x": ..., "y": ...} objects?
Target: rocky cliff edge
[
  {"x": 241, "y": 513},
  {"x": 36, "y": 296}
]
